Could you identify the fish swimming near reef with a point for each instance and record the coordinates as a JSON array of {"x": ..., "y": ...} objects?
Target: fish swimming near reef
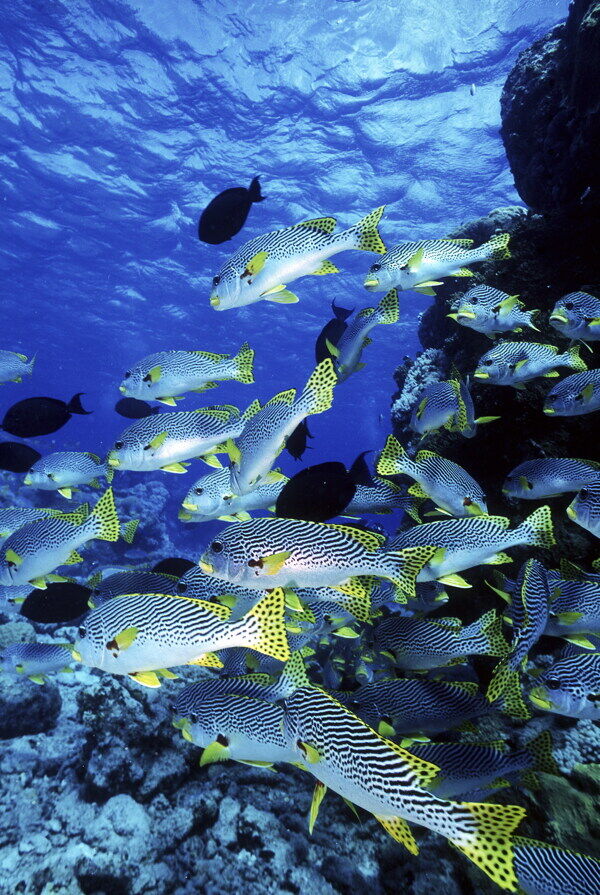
[
  {"x": 514, "y": 363},
  {"x": 491, "y": 311},
  {"x": 577, "y": 316},
  {"x": 35, "y": 660},
  {"x": 13, "y": 366},
  {"x": 17, "y": 457},
  {"x": 571, "y": 687},
  {"x": 40, "y": 416},
  {"x": 211, "y": 497},
  {"x": 142, "y": 635},
  {"x": 347, "y": 351},
  {"x": 12, "y": 518},
  {"x": 418, "y": 265},
  {"x": 262, "y": 268},
  {"x": 66, "y": 471},
  {"x": 549, "y": 477},
  {"x": 545, "y": 869},
  {"x": 267, "y": 428},
  {"x": 166, "y": 375},
  {"x": 226, "y": 214},
  {"x": 574, "y": 395},
  {"x": 585, "y": 508},
  {"x": 31, "y": 553},
  {"x": 446, "y": 483}
]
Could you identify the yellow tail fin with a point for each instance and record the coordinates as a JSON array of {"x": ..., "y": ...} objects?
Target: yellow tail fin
[
  {"x": 317, "y": 395},
  {"x": 244, "y": 360},
  {"x": 266, "y": 625},
  {"x": 105, "y": 519},
  {"x": 492, "y": 848}
]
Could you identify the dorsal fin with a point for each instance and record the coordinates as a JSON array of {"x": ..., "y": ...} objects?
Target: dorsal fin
[
  {"x": 369, "y": 539},
  {"x": 325, "y": 225},
  {"x": 286, "y": 397}
]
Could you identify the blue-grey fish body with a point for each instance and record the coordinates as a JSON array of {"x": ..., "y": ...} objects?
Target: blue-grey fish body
[
  {"x": 351, "y": 758},
  {"x": 294, "y": 553},
  {"x": 167, "y": 374},
  {"x": 577, "y": 316},
  {"x": 212, "y": 497},
  {"x": 514, "y": 363},
  {"x": 381, "y": 497},
  {"x": 574, "y": 608},
  {"x": 419, "y": 644},
  {"x": 355, "y": 338},
  {"x": 585, "y": 508},
  {"x": 13, "y": 518},
  {"x": 418, "y": 706},
  {"x": 491, "y": 311},
  {"x": 574, "y": 395},
  {"x": 545, "y": 869},
  {"x": 165, "y": 440},
  {"x": 65, "y": 471},
  {"x": 409, "y": 265},
  {"x": 34, "y": 660},
  {"x": 571, "y": 687},
  {"x": 131, "y": 582},
  {"x": 266, "y": 431},
  {"x": 139, "y": 634},
  {"x": 14, "y": 366},
  {"x": 437, "y": 407},
  {"x": 37, "y": 548},
  {"x": 446, "y": 483},
  {"x": 549, "y": 477},
  {"x": 263, "y": 267},
  {"x": 472, "y": 541}
]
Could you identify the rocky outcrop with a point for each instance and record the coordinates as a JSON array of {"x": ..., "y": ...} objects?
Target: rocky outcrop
[{"x": 551, "y": 115}]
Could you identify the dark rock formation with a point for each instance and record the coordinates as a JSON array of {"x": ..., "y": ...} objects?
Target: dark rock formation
[
  {"x": 27, "y": 708},
  {"x": 551, "y": 115}
]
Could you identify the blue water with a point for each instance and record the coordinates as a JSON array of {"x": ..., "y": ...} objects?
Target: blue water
[{"x": 119, "y": 123}]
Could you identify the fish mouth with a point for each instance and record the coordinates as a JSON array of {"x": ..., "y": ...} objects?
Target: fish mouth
[
  {"x": 215, "y": 301},
  {"x": 113, "y": 461},
  {"x": 183, "y": 516},
  {"x": 371, "y": 283},
  {"x": 549, "y": 411},
  {"x": 206, "y": 567},
  {"x": 191, "y": 507},
  {"x": 558, "y": 318},
  {"x": 539, "y": 697},
  {"x": 122, "y": 389},
  {"x": 464, "y": 314},
  {"x": 481, "y": 374},
  {"x": 571, "y": 513},
  {"x": 27, "y": 480}
]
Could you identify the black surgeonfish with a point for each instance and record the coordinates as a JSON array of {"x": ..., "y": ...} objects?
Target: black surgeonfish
[
  {"x": 134, "y": 409},
  {"x": 60, "y": 602},
  {"x": 173, "y": 565},
  {"x": 17, "y": 457},
  {"x": 296, "y": 443},
  {"x": 40, "y": 416},
  {"x": 320, "y": 492},
  {"x": 332, "y": 331},
  {"x": 226, "y": 214}
]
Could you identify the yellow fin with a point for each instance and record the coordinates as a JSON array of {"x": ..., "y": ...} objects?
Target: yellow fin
[
  {"x": 283, "y": 298},
  {"x": 256, "y": 264},
  {"x": 400, "y": 831},
  {"x": 318, "y": 796},
  {"x": 158, "y": 440},
  {"x": 169, "y": 401},
  {"x": 155, "y": 373},
  {"x": 124, "y": 639},
  {"x": 11, "y": 557},
  {"x": 177, "y": 468},
  {"x": 206, "y": 660},
  {"x": 66, "y": 492},
  {"x": 454, "y": 581},
  {"x": 216, "y": 751},
  {"x": 39, "y": 583},
  {"x": 369, "y": 539},
  {"x": 311, "y": 754},
  {"x": 73, "y": 557},
  {"x": 326, "y": 225},
  {"x": 273, "y": 563},
  {"x": 414, "y": 260},
  {"x": 325, "y": 267},
  {"x": 146, "y": 678}
]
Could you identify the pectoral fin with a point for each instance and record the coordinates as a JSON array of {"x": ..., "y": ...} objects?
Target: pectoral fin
[
  {"x": 285, "y": 298},
  {"x": 146, "y": 678},
  {"x": 216, "y": 751},
  {"x": 273, "y": 563},
  {"x": 66, "y": 492},
  {"x": 177, "y": 468}
]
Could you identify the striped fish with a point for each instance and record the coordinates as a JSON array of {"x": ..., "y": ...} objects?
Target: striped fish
[
  {"x": 212, "y": 497},
  {"x": 35, "y": 660},
  {"x": 570, "y": 687},
  {"x": 584, "y": 509},
  {"x": 418, "y": 265},
  {"x": 65, "y": 471},
  {"x": 165, "y": 375},
  {"x": 129, "y": 582},
  {"x": 544, "y": 869},
  {"x": 262, "y": 267},
  {"x": 34, "y": 550},
  {"x": 347, "y": 352},
  {"x": 268, "y": 428},
  {"x": 13, "y": 366},
  {"x": 577, "y": 316},
  {"x": 574, "y": 395},
  {"x": 351, "y": 758},
  {"x": 294, "y": 553},
  {"x": 12, "y": 518},
  {"x": 490, "y": 311},
  {"x": 514, "y": 363},
  {"x": 444, "y": 482},
  {"x": 549, "y": 477},
  {"x": 141, "y": 634}
]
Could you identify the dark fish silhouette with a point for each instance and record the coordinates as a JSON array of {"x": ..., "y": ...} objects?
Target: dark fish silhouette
[
  {"x": 40, "y": 416},
  {"x": 61, "y": 601},
  {"x": 320, "y": 492},
  {"x": 17, "y": 457},
  {"x": 332, "y": 331},
  {"x": 134, "y": 409},
  {"x": 296, "y": 443},
  {"x": 173, "y": 565},
  {"x": 225, "y": 215}
]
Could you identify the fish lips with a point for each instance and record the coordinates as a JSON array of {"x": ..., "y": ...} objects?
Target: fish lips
[
  {"x": 540, "y": 698},
  {"x": 113, "y": 460},
  {"x": 371, "y": 284},
  {"x": 557, "y": 317},
  {"x": 481, "y": 374}
]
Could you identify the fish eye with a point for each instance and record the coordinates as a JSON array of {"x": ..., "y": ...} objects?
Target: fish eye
[
  {"x": 81, "y": 631},
  {"x": 217, "y": 546},
  {"x": 193, "y": 717},
  {"x": 198, "y": 490},
  {"x": 473, "y": 300},
  {"x": 127, "y": 374},
  {"x": 375, "y": 266},
  {"x": 579, "y": 397},
  {"x": 552, "y": 684},
  {"x": 182, "y": 587},
  {"x": 50, "y": 475},
  {"x": 216, "y": 280},
  {"x": 119, "y": 445},
  {"x": 583, "y": 494},
  {"x": 147, "y": 378},
  {"x": 488, "y": 363},
  {"x": 404, "y": 267},
  {"x": 569, "y": 305}
]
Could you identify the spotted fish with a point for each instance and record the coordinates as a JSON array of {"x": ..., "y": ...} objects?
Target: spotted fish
[
  {"x": 35, "y": 660},
  {"x": 446, "y": 483},
  {"x": 14, "y": 366},
  {"x": 266, "y": 431},
  {"x": 574, "y": 395},
  {"x": 66, "y": 471},
  {"x": 514, "y": 363},
  {"x": 418, "y": 265},
  {"x": 347, "y": 352},
  {"x": 263, "y": 267},
  {"x": 165, "y": 375},
  {"x": 212, "y": 497},
  {"x": 142, "y": 634},
  {"x": 491, "y": 311},
  {"x": 577, "y": 316},
  {"x": 167, "y": 440},
  {"x": 294, "y": 553},
  {"x": 34, "y": 550}
]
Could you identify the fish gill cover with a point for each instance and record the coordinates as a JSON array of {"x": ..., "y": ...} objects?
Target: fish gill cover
[{"x": 120, "y": 123}]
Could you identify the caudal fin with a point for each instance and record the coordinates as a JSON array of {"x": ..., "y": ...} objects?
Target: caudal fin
[
  {"x": 265, "y": 625},
  {"x": 576, "y": 362},
  {"x": 393, "y": 459},
  {"x": 490, "y": 845},
  {"x": 401, "y": 567},
  {"x": 244, "y": 360},
  {"x": 498, "y": 246},
  {"x": 104, "y": 518},
  {"x": 254, "y": 193},
  {"x": 317, "y": 395},
  {"x": 128, "y": 530},
  {"x": 75, "y": 405},
  {"x": 365, "y": 235},
  {"x": 491, "y": 629},
  {"x": 537, "y": 529}
]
